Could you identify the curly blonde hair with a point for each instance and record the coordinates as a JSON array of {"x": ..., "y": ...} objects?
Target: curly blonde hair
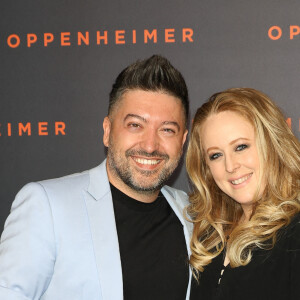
[{"x": 215, "y": 215}]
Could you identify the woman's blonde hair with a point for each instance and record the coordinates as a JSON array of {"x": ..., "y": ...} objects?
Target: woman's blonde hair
[{"x": 215, "y": 215}]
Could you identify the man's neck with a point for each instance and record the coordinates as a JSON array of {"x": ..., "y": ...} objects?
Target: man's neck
[{"x": 142, "y": 196}]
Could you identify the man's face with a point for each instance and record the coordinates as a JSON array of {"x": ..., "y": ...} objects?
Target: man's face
[{"x": 144, "y": 135}]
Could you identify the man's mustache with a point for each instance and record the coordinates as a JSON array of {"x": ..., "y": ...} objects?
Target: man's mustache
[{"x": 144, "y": 153}]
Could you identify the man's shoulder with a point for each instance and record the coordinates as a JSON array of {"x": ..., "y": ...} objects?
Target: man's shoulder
[
  {"x": 65, "y": 185},
  {"x": 179, "y": 195},
  {"x": 76, "y": 180}
]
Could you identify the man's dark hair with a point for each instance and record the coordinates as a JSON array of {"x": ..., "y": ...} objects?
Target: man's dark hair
[{"x": 153, "y": 74}]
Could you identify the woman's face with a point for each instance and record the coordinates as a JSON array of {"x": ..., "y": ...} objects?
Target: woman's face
[{"x": 231, "y": 154}]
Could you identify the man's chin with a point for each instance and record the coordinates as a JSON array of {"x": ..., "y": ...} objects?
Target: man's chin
[{"x": 145, "y": 186}]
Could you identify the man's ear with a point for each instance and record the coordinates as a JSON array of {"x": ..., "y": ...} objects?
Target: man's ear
[
  {"x": 184, "y": 137},
  {"x": 106, "y": 129}
]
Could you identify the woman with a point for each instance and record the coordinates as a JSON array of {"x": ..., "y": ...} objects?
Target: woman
[{"x": 244, "y": 164}]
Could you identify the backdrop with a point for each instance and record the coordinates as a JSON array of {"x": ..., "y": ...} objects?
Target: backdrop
[{"x": 59, "y": 58}]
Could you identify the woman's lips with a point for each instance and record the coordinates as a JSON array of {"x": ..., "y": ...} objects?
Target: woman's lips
[{"x": 241, "y": 179}]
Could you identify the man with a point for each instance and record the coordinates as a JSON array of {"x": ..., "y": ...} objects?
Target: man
[{"x": 111, "y": 232}]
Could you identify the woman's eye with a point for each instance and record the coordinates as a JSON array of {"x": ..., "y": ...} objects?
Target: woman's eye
[
  {"x": 215, "y": 156},
  {"x": 241, "y": 147}
]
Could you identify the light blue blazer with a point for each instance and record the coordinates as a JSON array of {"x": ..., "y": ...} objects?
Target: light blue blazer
[{"x": 60, "y": 240}]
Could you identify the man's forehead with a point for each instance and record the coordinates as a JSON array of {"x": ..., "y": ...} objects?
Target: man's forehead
[{"x": 149, "y": 103}]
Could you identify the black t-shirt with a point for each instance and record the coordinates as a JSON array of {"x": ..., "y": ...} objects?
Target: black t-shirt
[
  {"x": 272, "y": 274},
  {"x": 153, "y": 249}
]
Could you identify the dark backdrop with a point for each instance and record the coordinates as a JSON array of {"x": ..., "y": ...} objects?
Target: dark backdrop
[{"x": 65, "y": 82}]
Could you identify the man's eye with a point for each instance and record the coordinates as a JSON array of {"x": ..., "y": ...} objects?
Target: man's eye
[
  {"x": 241, "y": 147},
  {"x": 133, "y": 125},
  {"x": 215, "y": 156},
  {"x": 169, "y": 130}
]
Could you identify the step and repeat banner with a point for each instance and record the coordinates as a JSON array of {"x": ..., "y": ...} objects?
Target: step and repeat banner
[{"x": 59, "y": 59}]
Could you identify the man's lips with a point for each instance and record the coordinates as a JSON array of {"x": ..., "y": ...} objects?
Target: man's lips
[
  {"x": 146, "y": 161},
  {"x": 240, "y": 180}
]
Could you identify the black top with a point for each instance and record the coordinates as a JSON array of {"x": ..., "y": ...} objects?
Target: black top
[
  {"x": 153, "y": 249},
  {"x": 272, "y": 274}
]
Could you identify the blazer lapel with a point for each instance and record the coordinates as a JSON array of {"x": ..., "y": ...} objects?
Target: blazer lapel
[
  {"x": 178, "y": 201},
  {"x": 104, "y": 233}
]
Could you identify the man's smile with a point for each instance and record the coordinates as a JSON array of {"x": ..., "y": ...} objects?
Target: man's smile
[{"x": 146, "y": 161}]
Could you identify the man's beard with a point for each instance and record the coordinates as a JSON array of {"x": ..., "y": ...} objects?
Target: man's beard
[{"x": 135, "y": 178}]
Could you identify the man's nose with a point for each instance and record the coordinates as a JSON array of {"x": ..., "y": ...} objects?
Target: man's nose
[
  {"x": 150, "y": 141},
  {"x": 231, "y": 163}
]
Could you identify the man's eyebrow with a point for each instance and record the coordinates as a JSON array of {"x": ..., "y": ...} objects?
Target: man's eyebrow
[
  {"x": 172, "y": 123},
  {"x": 135, "y": 116},
  {"x": 146, "y": 121}
]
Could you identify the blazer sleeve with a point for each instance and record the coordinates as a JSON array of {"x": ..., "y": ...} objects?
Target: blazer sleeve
[{"x": 27, "y": 249}]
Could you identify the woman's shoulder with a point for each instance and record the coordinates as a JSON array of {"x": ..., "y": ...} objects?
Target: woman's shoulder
[
  {"x": 291, "y": 233},
  {"x": 294, "y": 225}
]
